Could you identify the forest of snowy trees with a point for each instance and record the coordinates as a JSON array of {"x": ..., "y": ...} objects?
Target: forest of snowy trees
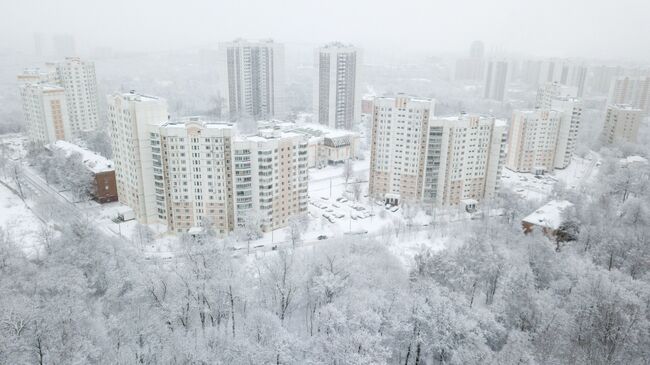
[{"x": 499, "y": 297}]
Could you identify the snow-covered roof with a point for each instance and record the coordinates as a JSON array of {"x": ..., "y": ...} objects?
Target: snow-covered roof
[
  {"x": 95, "y": 162},
  {"x": 633, "y": 159},
  {"x": 550, "y": 215}
]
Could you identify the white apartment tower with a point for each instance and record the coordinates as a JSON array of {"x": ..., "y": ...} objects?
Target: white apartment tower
[
  {"x": 204, "y": 172},
  {"x": 473, "y": 67},
  {"x": 633, "y": 91},
  {"x": 132, "y": 118},
  {"x": 78, "y": 112},
  {"x": 45, "y": 112},
  {"x": 532, "y": 140},
  {"x": 563, "y": 99},
  {"x": 621, "y": 124},
  {"x": 270, "y": 177},
  {"x": 252, "y": 78},
  {"x": 337, "y": 94},
  {"x": 439, "y": 161},
  {"x": 496, "y": 80},
  {"x": 192, "y": 171},
  {"x": 78, "y": 79}
]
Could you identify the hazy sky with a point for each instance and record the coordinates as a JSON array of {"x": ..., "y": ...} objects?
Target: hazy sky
[{"x": 609, "y": 29}]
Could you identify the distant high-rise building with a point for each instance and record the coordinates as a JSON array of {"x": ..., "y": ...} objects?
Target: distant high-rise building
[
  {"x": 64, "y": 46},
  {"x": 45, "y": 112},
  {"x": 337, "y": 94},
  {"x": 634, "y": 91},
  {"x": 496, "y": 80},
  {"x": 439, "y": 161},
  {"x": 132, "y": 118},
  {"x": 540, "y": 72},
  {"x": 602, "y": 76},
  {"x": 551, "y": 90},
  {"x": 78, "y": 79},
  {"x": 471, "y": 68},
  {"x": 532, "y": 140},
  {"x": 570, "y": 109},
  {"x": 621, "y": 124},
  {"x": 252, "y": 79}
]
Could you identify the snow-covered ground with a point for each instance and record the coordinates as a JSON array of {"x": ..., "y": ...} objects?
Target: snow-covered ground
[
  {"x": 529, "y": 186},
  {"x": 19, "y": 223}
]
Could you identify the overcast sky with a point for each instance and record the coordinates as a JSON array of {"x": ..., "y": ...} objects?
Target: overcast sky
[{"x": 607, "y": 29}]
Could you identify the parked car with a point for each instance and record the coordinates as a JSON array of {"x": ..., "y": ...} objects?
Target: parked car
[{"x": 322, "y": 237}]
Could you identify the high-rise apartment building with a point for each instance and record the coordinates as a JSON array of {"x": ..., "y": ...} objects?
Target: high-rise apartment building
[
  {"x": 337, "y": 93},
  {"x": 78, "y": 79},
  {"x": 570, "y": 109},
  {"x": 553, "y": 90},
  {"x": 496, "y": 80},
  {"x": 532, "y": 140},
  {"x": 621, "y": 124},
  {"x": 77, "y": 113},
  {"x": 440, "y": 161},
  {"x": 270, "y": 177},
  {"x": 473, "y": 67},
  {"x": 633, "y": 91},
  {"x": 45, "y": 112},
  {"x": 132, "y": 118},
  {"x": 252, "y": 79},
  {"x": 192, "y": 174}
]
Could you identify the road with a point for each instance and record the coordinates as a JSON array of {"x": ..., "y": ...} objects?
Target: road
[{"x": 63, "y": 207}]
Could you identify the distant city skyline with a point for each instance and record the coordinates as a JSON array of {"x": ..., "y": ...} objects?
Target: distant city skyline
[{"x": 502, "y": 25}]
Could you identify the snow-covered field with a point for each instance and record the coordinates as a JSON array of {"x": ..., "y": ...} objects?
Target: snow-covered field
[{"x": 19, "y": 223}]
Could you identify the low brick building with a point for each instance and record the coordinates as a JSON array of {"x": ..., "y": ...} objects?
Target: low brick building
[{"x": 103, "y": 170}]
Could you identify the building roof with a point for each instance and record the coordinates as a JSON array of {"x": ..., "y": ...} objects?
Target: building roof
[
  {"x": 550, "y": 215},
  {"x": 633, "y": 159},
  {"x": 95, "y": 162}
]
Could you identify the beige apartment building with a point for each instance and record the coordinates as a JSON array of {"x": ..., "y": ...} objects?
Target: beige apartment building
[
  {"x": 621, "y": 124},
  {"x": 438, "y": 161},
  {"x": 532, "y": 140},
  {"x": 132, "y": 117}
]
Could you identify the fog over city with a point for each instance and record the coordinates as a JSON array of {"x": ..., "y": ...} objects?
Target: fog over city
[
  {"x": 325, "y": 182},
  {"x": 577, "y": 28}
]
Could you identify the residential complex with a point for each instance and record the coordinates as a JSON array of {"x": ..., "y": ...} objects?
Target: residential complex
[
  {"x": 252, "y": 79},
  {"x": 532, "y": 140},
  {"x": 337, "y": 93},
  {"x": 59, "y": 103},
  {"x": 621, "y": 124},
  {"x": 46, "y": 113},
  {"x": 439, "y": 161},
  {"x": 496, "y": 80},
  {"x": 633, "y": 91},
  {"x": 132, "y": 116},
  {"x": 78, "y": 79}
]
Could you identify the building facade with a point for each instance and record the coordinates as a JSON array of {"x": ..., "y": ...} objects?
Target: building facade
[
  {"x": 532, "y": 140},
  {"x": 46, "y": 113},
  {"x": 270, "y": 178},
  {"x": 473, "y": 67},
  {"x": 252, "y": 79},
  {"x": 50, "y": 117},
  {"x": 621, "y": 124},
  {"x": 437, "y": 161},
  {"x": 78, "y": 79},
  {"x": 132, "y": 117},
  {"x": 192, "y": 173},
  {"x": 633, "y": 91},
  {"x": 337, "y": 94},
  {"x": 496, "y": 80}
]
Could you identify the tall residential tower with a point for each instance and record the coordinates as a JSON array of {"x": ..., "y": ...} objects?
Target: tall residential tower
[{"x": 337, "y": 94}]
